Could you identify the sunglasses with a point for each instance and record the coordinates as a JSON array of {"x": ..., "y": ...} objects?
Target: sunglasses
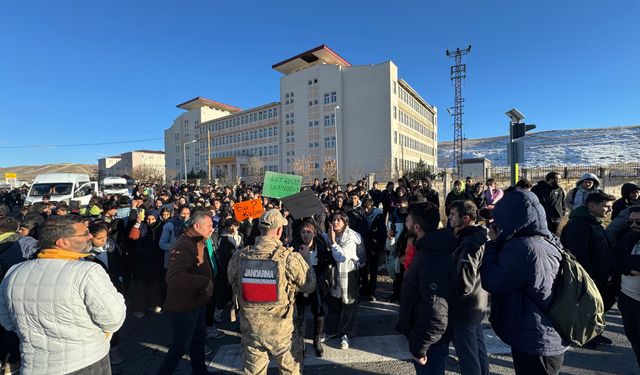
[{"x": 633, "y": 221}]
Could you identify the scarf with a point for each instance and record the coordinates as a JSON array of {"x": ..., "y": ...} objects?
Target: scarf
[{"x": 61, "y": 254}]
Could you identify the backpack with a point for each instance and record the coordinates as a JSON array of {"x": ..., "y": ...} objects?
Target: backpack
[
  {"x": 262, "y": 279},
  {"x": 576, "y": 309}
]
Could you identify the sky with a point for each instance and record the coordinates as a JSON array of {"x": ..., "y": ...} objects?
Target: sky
[{"x": 77, "y": 73}]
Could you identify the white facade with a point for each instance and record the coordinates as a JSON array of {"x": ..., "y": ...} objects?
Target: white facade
[
  {"x": 128, "y": 163},
  {"x": 177, "y": 138},
  {"x": 374, "y": 120}
]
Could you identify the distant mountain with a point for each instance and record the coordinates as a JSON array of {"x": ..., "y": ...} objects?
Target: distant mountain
[
  {"x": 29, "y": 172},
  {"x": 554, "y": 147}
]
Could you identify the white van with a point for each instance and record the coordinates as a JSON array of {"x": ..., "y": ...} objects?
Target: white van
[
  {"x": 114, "y": 185},
  {"x": 62, "y": 187}
]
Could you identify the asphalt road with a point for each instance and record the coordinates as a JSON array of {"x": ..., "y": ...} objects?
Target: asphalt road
[{"x": 377, "y": 349}]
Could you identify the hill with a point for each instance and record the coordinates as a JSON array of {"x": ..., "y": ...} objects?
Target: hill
[
  {"x": 29, "y": 172},
  {"x": 556, "y": 147}
]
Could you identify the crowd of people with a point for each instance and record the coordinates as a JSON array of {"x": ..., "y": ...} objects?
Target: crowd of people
[{"x": 70, "y": 274}]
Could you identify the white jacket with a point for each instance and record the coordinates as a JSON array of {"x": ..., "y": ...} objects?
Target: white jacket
[{"x": 64, "y": 311}]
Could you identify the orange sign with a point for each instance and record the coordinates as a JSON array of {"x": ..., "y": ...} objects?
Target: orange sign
[{"x": 248, "y": 209}]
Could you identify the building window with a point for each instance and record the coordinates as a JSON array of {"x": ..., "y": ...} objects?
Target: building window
[
  {"x": 329, "y": 142},
  {"x": 315, "y": 80},
  {"x": 309, "y": 82},
  {"x": 395, "y": 137},
  {"x": 334, "y": 97},
  {"x": 333, "y": 119},
  {"x": 394, "y": 87},
  {"x": 310, "y": 103},
  {"x": 327, "y": 121},
  {"x": 326, "y": 98},
  {"x": 395, "y": 112}
]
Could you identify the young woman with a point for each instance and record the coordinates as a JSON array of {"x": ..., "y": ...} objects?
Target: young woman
[
  {"x": 314, "y": 250},
  {"x": 343, "y": 296}
]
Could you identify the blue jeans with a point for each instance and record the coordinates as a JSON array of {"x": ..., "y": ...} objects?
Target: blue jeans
[
  {"x": 187, "y": 337},
  {"x": 436, "y": 357},
  {"x": 468, "y": 339}
]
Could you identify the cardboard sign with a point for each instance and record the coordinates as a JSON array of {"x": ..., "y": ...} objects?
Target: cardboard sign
[
  {"x": 280, "y": 185},
  {"x": 248, "y": 209},
  {"x": 303, "y": 204}
]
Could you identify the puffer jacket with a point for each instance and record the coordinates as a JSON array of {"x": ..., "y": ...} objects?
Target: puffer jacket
[
  {"x": 345, "y": 254},
  {"x": 66, "y": 319},
  {"x": 518, "y": 270},
  {"x": 577, "y": 196}
]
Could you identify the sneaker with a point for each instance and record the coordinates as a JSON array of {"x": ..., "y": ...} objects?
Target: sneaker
[
  {"x": 214, "y": 333},
  {"x": 344, "y": 343},
  {"x": 157, "y": 309},
  {"x": 139, "y": 314},
  {"x": 217, "y": 316},
  {"x": 115, "y": 356}
]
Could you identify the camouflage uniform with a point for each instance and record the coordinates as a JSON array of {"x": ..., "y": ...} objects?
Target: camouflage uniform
[{"x": 268, "y": 328}]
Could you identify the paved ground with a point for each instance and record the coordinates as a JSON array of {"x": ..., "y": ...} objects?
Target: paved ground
[{"x": 377, "y": 349}]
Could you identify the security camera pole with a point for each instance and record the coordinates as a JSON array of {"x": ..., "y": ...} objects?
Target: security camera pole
[{"x": 517, "y": 130}]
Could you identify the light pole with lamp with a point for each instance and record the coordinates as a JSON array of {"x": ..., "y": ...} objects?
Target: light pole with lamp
[
  {"x": 335, "y": 125},
  {"x": 184, "y": 156}
]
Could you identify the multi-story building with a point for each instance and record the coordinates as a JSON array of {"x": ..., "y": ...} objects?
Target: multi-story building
[
  {"x": 179, "y": 138},
  {"x": 141, "y": 164},
  {"x": 364, "y": 116}
]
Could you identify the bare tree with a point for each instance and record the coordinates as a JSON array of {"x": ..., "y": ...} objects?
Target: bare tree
[
  {"x": 329, "y": 169},
  {"x": 256, "y": 166},
  {"x": 148, "y": 173},
  {"x": 303, "y": 167}
]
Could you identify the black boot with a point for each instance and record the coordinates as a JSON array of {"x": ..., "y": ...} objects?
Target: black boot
[{"x": 318, "y": 327}]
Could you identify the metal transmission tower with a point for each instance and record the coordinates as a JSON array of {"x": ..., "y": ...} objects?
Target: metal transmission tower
[{"x": 458, "y": 73}]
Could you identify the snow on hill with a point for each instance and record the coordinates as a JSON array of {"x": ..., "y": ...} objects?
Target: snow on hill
[{"x": 556, "y": 147}]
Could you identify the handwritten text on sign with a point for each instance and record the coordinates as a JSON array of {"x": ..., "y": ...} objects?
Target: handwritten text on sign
[
  {"x": 248, "y": 209},
  {"x": 280, "y": 185}
]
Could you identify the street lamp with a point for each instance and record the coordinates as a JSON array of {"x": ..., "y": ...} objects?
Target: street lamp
[
  {"x": 335, "y": 125},
  {"x": 184, "y": 156}
]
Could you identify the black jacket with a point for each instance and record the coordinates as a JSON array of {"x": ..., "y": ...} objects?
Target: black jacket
[
  {"x": 479, "y": 199},
  {"x": 623, "y": 261},
  {"x": 426, "y": 292},
  {"x": 585, "y": 238},
  {"x": 431, "y": 196},
  {"x": 471, "y": 300},
  {"x": 551, "y": 199},
  {"x": 325, "y": 260},
  {"x": 376, "y": 236}
]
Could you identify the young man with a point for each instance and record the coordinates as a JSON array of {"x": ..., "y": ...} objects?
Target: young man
[
  {"x": 518, "y": 268},
  {"x": 551, "y": 197},
  {"x": 470, "y": 299},
  {"x": 492, "y": 195},
  {"x": 426, "y": 297},
  {"x": 584, "y": 236}
]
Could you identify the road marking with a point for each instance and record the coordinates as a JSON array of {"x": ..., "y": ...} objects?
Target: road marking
[{"x": 362, "y": 349}]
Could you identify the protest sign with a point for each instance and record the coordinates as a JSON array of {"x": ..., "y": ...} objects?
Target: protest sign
[
  {"x": 303, "y": 204},
  {"x": 248, "y": 209},
  {"x": 280, "y": 185}
]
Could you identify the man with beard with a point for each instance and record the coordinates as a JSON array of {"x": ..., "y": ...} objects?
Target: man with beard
[
  {"x": 70, "y": 332},
  {"x": 426, "y": 296},
  {"x": 551, "y": 197}
]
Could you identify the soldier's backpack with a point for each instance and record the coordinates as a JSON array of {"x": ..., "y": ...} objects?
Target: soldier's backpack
[
  {"x": 576, "y": 309},
  {"x": 262, "y": 279}
]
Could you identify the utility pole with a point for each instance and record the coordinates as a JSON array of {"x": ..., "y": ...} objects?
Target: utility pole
[{"x": 458, "y": 74}]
